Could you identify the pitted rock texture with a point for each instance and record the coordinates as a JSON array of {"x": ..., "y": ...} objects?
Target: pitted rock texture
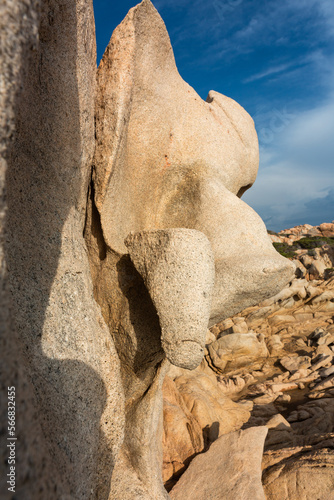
[
  {"x": 177, "y": 266},
  {"x": 68, "y": 354},
  {"x": 163, "y": 159},
  {"x": 35, "y": 477}
]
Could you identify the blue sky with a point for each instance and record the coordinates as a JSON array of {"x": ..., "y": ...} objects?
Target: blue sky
[{"x": 276, "y": 58}]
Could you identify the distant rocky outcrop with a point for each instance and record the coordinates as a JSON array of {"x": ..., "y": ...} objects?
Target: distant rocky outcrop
[
  {"x": 289, "y": 236},
  {"x": 312, "y": 249}
]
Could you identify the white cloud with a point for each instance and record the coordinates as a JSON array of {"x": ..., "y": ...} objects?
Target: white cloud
[
  {"x": 268, "y": 72},
  {"x": 296, "y": 176}
]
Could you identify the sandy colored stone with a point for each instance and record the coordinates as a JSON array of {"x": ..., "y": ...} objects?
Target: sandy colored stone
[
  {"x": 215, "y": 412},
  {"x": 231, "y": 468},
  {"x": 305, "y": 475},
  {"x": 177, "y": 266},
  {"x": 274, "y": 344},
  {"x": 295, "y": 363},
  {"x": 317, "y": 269},
  {"x": 235, "y": 350},
  {"x": 182, "y": 436},
  {"x": 279, "y": 431},
  {"x": 187, "y": 168},
  {"x": 36, "y": 477}
]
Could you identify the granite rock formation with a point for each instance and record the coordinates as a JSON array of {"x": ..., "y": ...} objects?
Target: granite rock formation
[
  {"x": 231, "y": 468},
  {"x": 84, "y": 167},
  {"x": 35, "y": 477},
  {"x": 288, "y": 387},
  {"x": 177, "y": 266},
  {"x": 67, "y": 351},
  {"x": 165, "y": 159}
]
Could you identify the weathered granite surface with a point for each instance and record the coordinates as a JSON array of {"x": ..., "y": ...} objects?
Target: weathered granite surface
[
  {"x": 87, "y": 328},
  {"x": 231, "y": 468},
  {"x": 68, "y": 352}
]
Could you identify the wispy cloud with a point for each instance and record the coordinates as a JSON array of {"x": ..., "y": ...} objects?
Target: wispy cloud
[
  {"x": 270, "y": 71},
  {"x": 295, "y": 184}
]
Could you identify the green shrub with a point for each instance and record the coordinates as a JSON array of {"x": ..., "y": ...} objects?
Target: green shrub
[
  {"x": 310, "y": 242},
  {"x": 288, "y": 251}
]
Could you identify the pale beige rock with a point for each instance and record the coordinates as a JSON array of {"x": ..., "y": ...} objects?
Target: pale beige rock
[
  {"x": 185, "y": 169},
  {"x": 301, "y": 474},
  {"x": 209, "y": 337},
  {"x": 177, "y": 266},
  {"x": 185, "y": 176},
  {"x": 324, "y": 384},
  {"x": 36, "y": 476},
  {"x": 175, "y": 175},
  {"x": 317, "y": 269},
  {"x": 314, "y": 417},
  {"x": 182, "y": 435},
  {"x": 326, "y": 372},
  {"x": 320, "y": 361},
  {"x": 195, "y": 408},
  {"x": 240, "y": 327},
  {"x": 281, "y": 319},
  {"x": 274, "y": 345},
  {"x": 216, "y": 413},
  {"x": 293, "y": 364},
  {"x": 279, "y": 430},
  {"x": 226, "y": 324},
  {"x": 230, "y": 469},
  {"x": 300, "y": 269}
]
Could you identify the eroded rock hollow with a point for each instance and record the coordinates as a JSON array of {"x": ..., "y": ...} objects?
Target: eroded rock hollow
[{"x": 125, "y": 237}]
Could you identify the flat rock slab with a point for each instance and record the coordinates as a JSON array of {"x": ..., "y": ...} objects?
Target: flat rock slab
[{"x": 230, "y": 469}]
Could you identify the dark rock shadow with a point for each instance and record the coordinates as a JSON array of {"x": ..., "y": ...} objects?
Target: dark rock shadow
[
  {"x": 210, "y": 434},
  {"x": 143, "y": 318}
]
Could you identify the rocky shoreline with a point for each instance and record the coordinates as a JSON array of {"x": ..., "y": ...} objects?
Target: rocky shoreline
[{"x": 270, "y": 365}]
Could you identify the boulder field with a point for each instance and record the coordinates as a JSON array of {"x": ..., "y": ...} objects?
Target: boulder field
[{"x": 272, "y": 366}]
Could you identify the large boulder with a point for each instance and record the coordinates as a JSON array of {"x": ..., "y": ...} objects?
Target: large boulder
[
  {"x": 34, "y": 475},
  {"x": 167, "y": 159},
  {"x": 88, "y": 329},
  {"x": 300, "y": 473},
  {"x": 178, "y": 270},
  {"x": 231, "y": 468},
  {"x": 236, "y": 350}
]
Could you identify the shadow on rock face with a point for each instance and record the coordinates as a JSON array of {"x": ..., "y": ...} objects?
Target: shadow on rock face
[
  {"x": 166, "y": 160},
  {"x": 143, "y": 318},
  {"x": 68, "y": 352}
]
